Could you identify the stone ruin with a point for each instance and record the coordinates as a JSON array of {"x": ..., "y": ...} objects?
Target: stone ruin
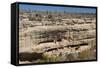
[{"x": 63, "y": 38}]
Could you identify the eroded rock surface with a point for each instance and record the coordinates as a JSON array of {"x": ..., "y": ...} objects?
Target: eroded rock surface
[{"x": 52, "y": 38}]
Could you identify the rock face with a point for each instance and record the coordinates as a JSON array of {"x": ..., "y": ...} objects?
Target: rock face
[{"x": 52, "y": 39}]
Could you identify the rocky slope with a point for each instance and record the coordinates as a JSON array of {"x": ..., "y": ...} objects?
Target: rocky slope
[{"x": 63, "y": 39}]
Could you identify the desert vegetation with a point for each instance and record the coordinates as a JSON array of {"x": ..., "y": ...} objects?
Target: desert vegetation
[{"x": 46, "y": 36}]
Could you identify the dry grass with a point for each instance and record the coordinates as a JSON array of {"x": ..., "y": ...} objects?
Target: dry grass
[
  {"x": 51, "y": 58},
  {"x": 87, "y": 55}
]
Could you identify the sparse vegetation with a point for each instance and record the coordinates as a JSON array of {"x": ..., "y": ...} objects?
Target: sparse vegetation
[
  {"x": 87, "y": 55},
  {"x": 56, "y": 36}
]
